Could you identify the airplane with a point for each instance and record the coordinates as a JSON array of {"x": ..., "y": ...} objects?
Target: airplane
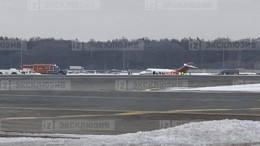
[{"x": 157, "y": 71}]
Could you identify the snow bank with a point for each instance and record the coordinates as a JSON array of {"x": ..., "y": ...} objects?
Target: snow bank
[
  {"x": 199, "y": 133},
  {"x": 241, "y": 88}
]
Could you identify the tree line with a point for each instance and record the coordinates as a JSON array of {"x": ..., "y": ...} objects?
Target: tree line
[{"x": 163, "y": 53}]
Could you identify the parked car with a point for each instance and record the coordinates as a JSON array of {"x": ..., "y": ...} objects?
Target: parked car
[{"x": 229, "y": 72}]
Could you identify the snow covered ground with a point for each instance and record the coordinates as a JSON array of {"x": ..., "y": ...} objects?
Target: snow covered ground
[
  {"x": 224, "y": 132},
  {"x": 230, "y": 88}
]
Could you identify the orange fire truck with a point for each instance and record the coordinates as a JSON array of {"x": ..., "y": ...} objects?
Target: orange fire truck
[{"x": 43, "y": 68}]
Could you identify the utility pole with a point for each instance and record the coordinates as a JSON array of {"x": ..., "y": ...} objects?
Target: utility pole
[
  {"x": 223, "y": 58},
  {"x": 21, "y": 61},
  {"x": 238, "y": 58},
  {"x": 123, "y": 58},
  {"x": 10, "y": 60}
]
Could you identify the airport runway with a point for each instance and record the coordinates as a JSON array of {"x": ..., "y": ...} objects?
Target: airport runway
[
  {"x": 117, "y": 104},
  {"x": 23, "y": 111},
  {"x": 120, "y": 83}
]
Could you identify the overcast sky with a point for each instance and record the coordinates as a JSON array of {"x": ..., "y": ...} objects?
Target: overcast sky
[{"x": 129, "y": 18}]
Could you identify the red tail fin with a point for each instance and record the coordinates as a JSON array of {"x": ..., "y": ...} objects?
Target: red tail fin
[{"x": 186, "y": 67}]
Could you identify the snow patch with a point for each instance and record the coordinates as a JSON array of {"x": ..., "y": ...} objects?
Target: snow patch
[
  {"x": 198, "y": 133},
  {"x": 240, "y": 88}
]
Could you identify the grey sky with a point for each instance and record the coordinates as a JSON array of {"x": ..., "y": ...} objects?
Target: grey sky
[{"x": 129, "y": 18}]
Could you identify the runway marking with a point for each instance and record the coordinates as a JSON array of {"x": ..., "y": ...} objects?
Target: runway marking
[
  {"x": 200, "y": 110},
  {"x": 221, "y": 114},
  {"x": 136, "y": 113},
  {"x": 93, "y": 97},
  {"x": 120, "y": 110},
  {"x": 124, "y": 98},
  {"x": 55, "y": 117},
  {"x": 185, "y": 111},
  {"x": 60, "y": 109},
  {"x": 129, "y": 113},
  {"x": 126, "y": 114},
  {"x": 255, "y": 108},
  {"x": 195, "y": 111}
]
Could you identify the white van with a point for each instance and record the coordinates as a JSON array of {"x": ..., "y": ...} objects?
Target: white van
[{"x": 13, "y": 71}]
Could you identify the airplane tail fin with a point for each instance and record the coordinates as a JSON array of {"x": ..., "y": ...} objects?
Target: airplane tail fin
[{"x": 186, "y": 67}]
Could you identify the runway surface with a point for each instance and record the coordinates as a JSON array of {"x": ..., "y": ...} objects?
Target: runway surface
[
  {"x": 122, "y": 112},
  {"x": 118, "y": 104}
]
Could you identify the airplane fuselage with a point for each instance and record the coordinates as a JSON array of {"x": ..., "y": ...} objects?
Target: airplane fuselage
[{"x": 157, "y": 71}]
